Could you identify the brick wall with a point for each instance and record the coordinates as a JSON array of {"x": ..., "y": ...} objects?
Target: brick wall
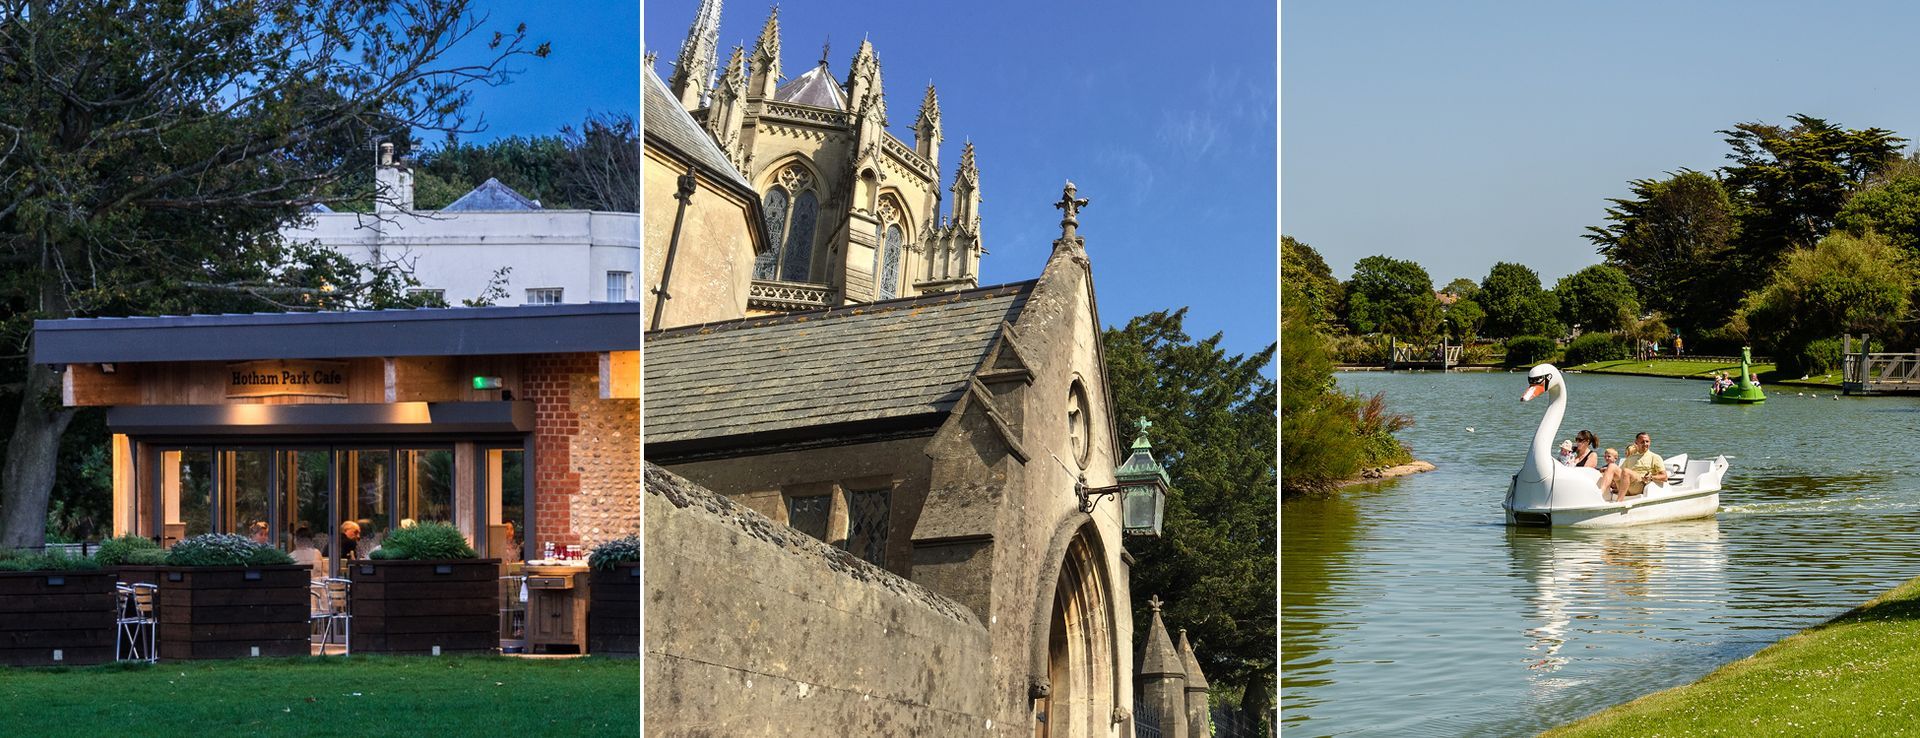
[{"x": 586, "y": 452}]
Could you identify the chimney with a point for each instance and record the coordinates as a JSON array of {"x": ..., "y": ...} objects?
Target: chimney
[{"x": 392, "y": 181}]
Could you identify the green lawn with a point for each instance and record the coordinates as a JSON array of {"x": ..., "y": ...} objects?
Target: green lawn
[
  {"x": 1851, "y": 676},
  {"x": 1691, "y": 369},
  {"x": 355, "y": 696}
]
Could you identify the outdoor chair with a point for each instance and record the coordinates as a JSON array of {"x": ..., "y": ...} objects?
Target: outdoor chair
[
  {"x": 330, "y": 598},
  {"x": 133, "y": 613}
]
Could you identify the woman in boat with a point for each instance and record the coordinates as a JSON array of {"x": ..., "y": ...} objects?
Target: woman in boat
[{"x": 1585, "y": 452}]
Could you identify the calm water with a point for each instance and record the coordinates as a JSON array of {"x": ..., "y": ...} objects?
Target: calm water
[{"x": 1409, "y": 609}]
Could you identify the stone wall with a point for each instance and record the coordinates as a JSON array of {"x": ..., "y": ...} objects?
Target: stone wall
[
  {"x": 713, "y": 263},
  {"x": 754, "y": 629},
  {"x": 586, "y": 453}
]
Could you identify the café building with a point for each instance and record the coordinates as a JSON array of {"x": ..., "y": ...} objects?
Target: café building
[{"x": 518, "y": 425}]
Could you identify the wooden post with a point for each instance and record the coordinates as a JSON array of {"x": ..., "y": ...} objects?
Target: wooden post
[{"x": 1390, "y": 349}]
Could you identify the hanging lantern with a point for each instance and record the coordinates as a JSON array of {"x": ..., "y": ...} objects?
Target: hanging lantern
[{"x": 1142, "y": 489}]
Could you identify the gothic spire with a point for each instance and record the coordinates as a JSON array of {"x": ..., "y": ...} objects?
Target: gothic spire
[
  {"x": 929, "y": 109},
  {"x": 693, "y": 72},
  {"x": 966, "y": 191},
  {"x": 763, "y": 68}
]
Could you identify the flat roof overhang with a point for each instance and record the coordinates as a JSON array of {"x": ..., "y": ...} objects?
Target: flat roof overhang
[
  {"x": 486, "y": 331},
  {"x": 442, "y": 418}
]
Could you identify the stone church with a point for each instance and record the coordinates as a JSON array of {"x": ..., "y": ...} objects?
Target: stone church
[
  {"x": 851, "y": 213},
  {"x": 881, "y": 499}
]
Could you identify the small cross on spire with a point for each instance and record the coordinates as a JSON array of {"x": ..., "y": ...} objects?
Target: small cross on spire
[
  {"x": 1154, "y": 602},
  {"x": 825, "y": 49},
  {"x": 1070, "y": 206}
]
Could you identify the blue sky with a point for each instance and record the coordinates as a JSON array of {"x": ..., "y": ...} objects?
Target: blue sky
[
  {"x": 594, "y": 66},
  {"x": 1161, "y": 113},
  {"x": 1461, "y": 134}
]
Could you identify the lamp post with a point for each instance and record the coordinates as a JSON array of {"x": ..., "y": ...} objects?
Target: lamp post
[{"x": 1142, "y": 489}]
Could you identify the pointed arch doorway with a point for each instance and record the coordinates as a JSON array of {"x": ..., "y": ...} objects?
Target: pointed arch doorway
[{"x": 1079, "y": 653}]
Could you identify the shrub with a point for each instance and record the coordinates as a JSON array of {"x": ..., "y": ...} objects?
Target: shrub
[
  {"x": 224, "y": 549},
  {"x": 1818, "y": 357},
  {"x": 611, "y": 554},
  {"x": 117, "y": 551},
  {"x": 1477, "y": 353},
  {"x": 1358, "y": 349},
  {"x": 1529, "y": 350},
  {"x": 147, "y": 557},
  {"x": 1592, "y": 347},
  {"x": 54, "y": 560},
  {"x": 427, "y": 541},
  {"x": 1375, "y": 426}
]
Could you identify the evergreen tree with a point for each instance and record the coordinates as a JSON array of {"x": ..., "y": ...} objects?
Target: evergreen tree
[
  {"x": 1674, "y": 240},
  {"x": 1213, "y": 428},
  {"x": 1789, "y": 183}
]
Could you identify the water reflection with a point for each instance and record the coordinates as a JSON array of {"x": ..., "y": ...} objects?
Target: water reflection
[{"x": 1408, "y": 610}]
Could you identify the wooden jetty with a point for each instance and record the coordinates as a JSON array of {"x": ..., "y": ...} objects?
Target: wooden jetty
[
  {"x": 1866, "y": 373},
  {"x": 1443, "y": 357}
]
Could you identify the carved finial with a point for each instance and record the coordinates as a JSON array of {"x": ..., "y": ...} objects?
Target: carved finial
[
  {"x": 649, "y": 58},
  {"x": 1143, "y": 424},
  {"x": 1154, "y": 602},
  {"x": 826, "y": 49},
  {"x": 1070, "y": 206}
]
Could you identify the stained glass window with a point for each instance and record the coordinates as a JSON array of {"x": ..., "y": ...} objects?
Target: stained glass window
[
  {"x": 808, "y": 515},
  {"x": 867, "y": 525},
  {"x": 796, "y": 261},
  {"x": 774, "y": 207},
  {"x": 890, "y": 264}
]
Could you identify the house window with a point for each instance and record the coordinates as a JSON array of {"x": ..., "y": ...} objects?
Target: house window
[
  {"x": 544, "y": 295},
  {"x": 617, "y": 286},
  {"x": 867, "y": 523},
  {"x": 423, "y": 296},
  {"x": 809, "y": 514},
  {"x": 790, "y": 221}
]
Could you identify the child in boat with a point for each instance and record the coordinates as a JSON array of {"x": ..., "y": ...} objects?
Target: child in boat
[
  {"x": 1566, "y": 453},
  {"x": 1631, "y": 477}
]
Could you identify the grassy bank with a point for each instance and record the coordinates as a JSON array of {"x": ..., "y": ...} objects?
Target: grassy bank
[
  {"x": 1692, "y": 369},
  {"x": 356, "y": 696},
  {"x": 1851, "y": 676}
]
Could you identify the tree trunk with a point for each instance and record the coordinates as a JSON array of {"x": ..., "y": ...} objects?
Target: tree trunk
[{"x": 26, "y": 480}]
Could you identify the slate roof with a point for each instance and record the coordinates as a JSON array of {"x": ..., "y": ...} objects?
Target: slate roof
[
  {"x": 663, "y": 120},
  {"x": 779, "y": 376},
  {"x": 816, "y": 87},
  {"x": 491, "y": 195}
]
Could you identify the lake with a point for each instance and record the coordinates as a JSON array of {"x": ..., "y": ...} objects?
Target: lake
[{"x": 1409, "y": 608}]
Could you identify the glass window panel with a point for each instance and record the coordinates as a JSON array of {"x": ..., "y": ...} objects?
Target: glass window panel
[
  {"x": 867, "y": 525},
  {"x": 796, "y": 262},
  {"x": 306, "y": 532},
  {"x": 244, "y": 491},
  {"x": 545, "y": 295},
  {"x": 505, "y": 468},
  {"x": 774, "y": 209},
  {"x": 617, "y": 286},
  {"x": 364, "y": 492},
  {"x": 428, "y": 484},
  {"x": 187, "y": 492},
  {"x": 809, "y": 515},
  {"x": 890, "y": 264}
]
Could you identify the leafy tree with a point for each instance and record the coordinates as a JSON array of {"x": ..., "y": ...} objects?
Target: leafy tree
[
  {"x": 1598, "y": 298},
  {"x": 1462, "y": 287},
  {"x": 1463, "y": 319},
  {"x": 1790, "y": 182},
  {"x": 1302, "y": 267},
  {"x": 1516, "y": 305},
  {"x": 1845, "y": 283},
  {"x": 1891, "y": 209},
  {"x": 153, "y": 149},
  {"x": 1674, "y": 241},
  {"x": 1391, "y": 296},
  {"x": 1213, "y": 428}
]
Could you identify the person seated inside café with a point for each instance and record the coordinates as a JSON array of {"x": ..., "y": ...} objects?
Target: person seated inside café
[{"x": 307, "y": 554}]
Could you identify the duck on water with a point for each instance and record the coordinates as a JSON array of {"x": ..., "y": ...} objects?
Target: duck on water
[{"x": 1547, "y": 492}]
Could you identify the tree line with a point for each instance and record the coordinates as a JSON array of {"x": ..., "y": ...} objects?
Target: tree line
[{"x": 1810, "y": 231}]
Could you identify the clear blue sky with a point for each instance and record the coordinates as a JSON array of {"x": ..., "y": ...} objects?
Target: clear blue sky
[
  {"x": 1461, "y": 134},
  {"x": 1162, "y": 114},
  {"x": 594, "y": 66}
]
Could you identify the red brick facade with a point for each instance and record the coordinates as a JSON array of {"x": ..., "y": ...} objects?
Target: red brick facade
[{"x": 586, "y": 453}]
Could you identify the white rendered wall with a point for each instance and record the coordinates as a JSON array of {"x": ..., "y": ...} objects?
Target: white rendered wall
[{"x": 459, "y": 252}]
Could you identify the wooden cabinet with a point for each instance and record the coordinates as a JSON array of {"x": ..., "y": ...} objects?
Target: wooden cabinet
[{"x": 557, "y": 607}]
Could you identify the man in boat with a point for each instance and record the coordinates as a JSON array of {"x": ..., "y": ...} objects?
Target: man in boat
[{"x": 1631, "y": 476}]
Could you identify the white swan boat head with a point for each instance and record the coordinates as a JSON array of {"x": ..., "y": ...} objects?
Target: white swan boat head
[{"x": 1547, "y": 492}]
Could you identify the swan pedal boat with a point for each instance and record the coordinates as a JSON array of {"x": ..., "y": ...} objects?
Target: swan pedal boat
[{"x": 1546, "y": 492}]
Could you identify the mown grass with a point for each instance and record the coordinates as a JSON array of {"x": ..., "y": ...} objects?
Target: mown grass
[
  {"x": 1851, "y": 676},
  {"x": 1692, "y": 369},
  {"x": 355, "y": 696}
]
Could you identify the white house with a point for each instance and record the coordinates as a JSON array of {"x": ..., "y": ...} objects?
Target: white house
[{"x": 552, "y": 256}]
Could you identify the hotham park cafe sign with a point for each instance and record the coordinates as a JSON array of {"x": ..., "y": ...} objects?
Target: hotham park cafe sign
[{"x": 277, "y": 378}]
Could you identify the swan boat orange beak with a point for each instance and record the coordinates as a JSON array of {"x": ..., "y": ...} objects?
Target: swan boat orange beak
[{"x": 1535, "y": 387}]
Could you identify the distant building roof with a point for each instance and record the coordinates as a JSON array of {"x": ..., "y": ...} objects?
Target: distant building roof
[
  {"x": 816, "y": 87},
  {"x": 899, "y": 363},
  {"x": 490, "y": 195},
  {"x": 668, "y": 123}
]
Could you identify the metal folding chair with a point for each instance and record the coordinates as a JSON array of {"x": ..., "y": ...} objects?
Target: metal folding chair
[
  {"x": 133, "y": 612},
  {"x": 330, "y": 599}
]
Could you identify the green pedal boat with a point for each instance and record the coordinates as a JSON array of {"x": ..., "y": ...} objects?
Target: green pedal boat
[{"x": 1743, "y": 392}]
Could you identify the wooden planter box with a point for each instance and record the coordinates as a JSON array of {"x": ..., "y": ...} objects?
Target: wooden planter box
[
  {"x": 613, "y": 615},
  {"x": 413, "y": 606},
  {"x": 227, "y": 612},
  {"x": 46, "y": 611}
]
